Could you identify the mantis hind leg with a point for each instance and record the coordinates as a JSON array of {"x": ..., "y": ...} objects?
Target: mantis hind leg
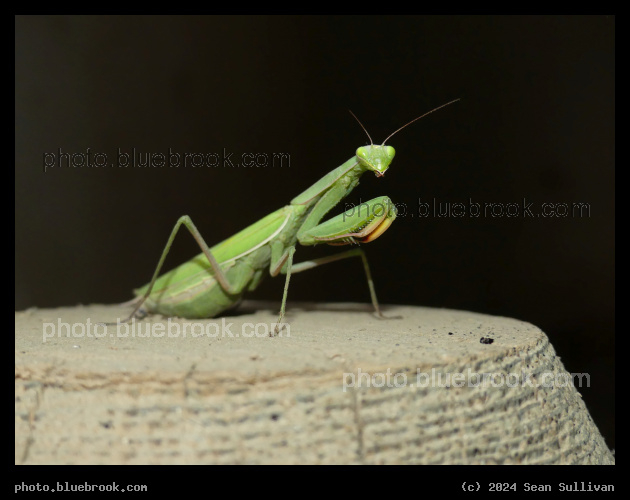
[{"x": 216, "y": 269}]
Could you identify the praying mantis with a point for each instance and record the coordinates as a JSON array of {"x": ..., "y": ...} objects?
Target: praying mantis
[{"x": 217, "y": 278}]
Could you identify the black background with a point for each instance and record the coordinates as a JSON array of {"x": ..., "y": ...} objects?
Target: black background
[{"x": 535, "y": 123}]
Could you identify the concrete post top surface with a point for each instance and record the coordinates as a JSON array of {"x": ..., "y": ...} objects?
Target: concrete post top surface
[{"x": 338, "y": 385}]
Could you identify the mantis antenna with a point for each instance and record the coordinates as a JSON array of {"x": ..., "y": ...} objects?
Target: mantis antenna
[
  {"x": 366, "y": 132},
  {"x": 415, "y": 119}
]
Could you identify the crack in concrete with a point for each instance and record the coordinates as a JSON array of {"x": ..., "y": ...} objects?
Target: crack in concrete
[
  {"x": 39, "y": 394},
  {"x": 359, "y": 423},
  {"x": 191, "y": 370},
  {"x": 39, "y": 397}
]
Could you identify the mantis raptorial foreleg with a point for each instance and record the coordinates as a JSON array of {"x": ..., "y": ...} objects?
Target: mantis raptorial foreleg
[{"x": 347, "y": 228}]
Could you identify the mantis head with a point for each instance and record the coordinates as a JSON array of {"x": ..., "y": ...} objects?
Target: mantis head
[{"x": 376, "y": 158}]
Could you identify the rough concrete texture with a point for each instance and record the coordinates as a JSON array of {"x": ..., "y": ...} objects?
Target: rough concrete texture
[{"x": 221, "y": 399}]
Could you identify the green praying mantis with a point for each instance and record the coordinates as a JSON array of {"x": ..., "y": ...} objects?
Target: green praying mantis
[{"x": 216, "y": 279}]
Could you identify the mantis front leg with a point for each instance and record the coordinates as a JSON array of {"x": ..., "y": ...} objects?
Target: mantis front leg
[{"x": 346, "y": 228}]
